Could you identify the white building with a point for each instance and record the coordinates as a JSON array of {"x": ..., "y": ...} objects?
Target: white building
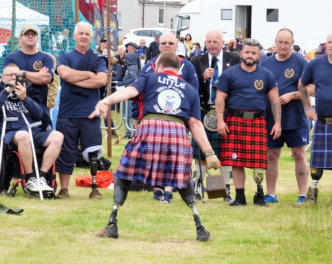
[{"x": 147, "y": 13}]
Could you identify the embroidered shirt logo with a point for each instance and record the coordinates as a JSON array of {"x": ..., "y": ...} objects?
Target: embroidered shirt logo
[
  {"x": 37, "y": 65},
  {"x": 289, "y": 73},
  {"x": 259, "y": 84}
]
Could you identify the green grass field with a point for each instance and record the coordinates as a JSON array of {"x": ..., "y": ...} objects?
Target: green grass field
[{"x": 64, "y": 231}]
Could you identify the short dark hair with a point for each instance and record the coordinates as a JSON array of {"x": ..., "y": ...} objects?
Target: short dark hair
[
  {"x": 199, "y": 45},
  {"x": 169, "y": 59},
  {"x": 286, "y": 29},
  {"x": 251, "y": 42}
]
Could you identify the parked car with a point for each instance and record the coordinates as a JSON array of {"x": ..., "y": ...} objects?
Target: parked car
[{"x": 135, "y": 35}]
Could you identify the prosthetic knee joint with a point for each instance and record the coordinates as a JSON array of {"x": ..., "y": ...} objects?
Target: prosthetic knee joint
[{"x": 258, "y": 175}]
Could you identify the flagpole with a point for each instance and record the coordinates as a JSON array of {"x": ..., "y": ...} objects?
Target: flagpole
[{"x": 109, "y": 77}]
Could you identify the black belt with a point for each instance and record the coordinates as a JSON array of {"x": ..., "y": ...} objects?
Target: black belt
[
  {"x": 244, "y": 114},
  {"x": 325, "y": 120}
]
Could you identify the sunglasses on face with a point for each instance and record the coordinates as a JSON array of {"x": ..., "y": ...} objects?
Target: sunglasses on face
[{"x": 169, "y": 43}]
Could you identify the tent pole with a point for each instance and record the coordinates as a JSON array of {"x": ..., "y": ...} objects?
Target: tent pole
[
  {"x": 13, "y": 25},
  {"x": 77, "y": 11}
]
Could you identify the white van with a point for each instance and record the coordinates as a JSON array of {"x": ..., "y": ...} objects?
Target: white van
[{"x": 311, "y": 21}]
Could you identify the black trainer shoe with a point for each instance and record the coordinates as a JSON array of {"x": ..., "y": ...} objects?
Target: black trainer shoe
[
  {"x": 237, "y": 203},
  {"x": 259, "y": 197},
  {"x": 167, "y": 197},
  {"x": 157, "y": 195}
]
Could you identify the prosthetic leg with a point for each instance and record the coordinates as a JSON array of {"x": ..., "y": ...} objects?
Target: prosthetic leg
[
  {"x": 258, "y": 175},
  {"x": 94, "y": 194},
  {"x": 121, "y": 189},
  {"x": 227, "y": 172},
  {"x": 188, "y": 196},
  {"x": 200, "y": 171},
  {"x": 91, "y": 155},
  {"x": 316, "y": 175}
]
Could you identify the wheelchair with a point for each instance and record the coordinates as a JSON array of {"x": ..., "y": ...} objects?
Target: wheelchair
[{"x": 12, "y": 168}]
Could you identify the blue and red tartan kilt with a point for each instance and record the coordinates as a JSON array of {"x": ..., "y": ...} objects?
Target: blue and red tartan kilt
[
  {"x": 159, "y": 154},
  {"x": 246, "y": 143},
  {"x": 321, "y": 149}
]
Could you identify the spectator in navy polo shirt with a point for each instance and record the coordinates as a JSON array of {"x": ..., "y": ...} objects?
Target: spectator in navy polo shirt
[
  {"x": 319, "y": 72},
  {"x": 287, "y": 68},
  {"x": 82, "y": 72},
  {"x": 36, "y": 67}
]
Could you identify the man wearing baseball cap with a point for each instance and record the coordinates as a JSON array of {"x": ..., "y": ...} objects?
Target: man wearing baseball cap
[{"x": 36, "y": 67}]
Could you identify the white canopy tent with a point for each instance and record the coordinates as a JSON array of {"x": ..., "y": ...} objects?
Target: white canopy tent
[{"x": 24, "y": 15}]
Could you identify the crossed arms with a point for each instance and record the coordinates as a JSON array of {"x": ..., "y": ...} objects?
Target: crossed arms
[{"x": 84, "y": 79}]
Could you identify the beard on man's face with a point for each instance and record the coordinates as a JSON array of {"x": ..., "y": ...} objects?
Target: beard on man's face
[{"x": 249, "y": 63}]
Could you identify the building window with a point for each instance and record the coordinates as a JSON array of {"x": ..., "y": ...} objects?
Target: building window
[
  {"x": 272, "y": 15},
  {"x": 161, "y": 16},
  {"x": 226, "y": 14}
]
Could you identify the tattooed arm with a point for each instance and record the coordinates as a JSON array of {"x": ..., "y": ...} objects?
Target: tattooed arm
[
  {"x": 276, "y": 111},
  {"x": 220, "y": 109},
  {"x": 287, "y": 97},
  {"x": 309, "y": 111}
]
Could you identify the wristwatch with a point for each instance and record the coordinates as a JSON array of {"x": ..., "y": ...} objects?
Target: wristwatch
[{"x": 23, "y": 74}]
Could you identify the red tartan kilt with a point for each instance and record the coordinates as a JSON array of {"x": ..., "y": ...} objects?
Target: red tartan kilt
[{"x": 246, "y": 143}]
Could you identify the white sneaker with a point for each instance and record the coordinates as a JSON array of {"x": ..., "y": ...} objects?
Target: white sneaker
[
  {"x": 32, "y": 185},
  {"x": 45, "y": 187}
]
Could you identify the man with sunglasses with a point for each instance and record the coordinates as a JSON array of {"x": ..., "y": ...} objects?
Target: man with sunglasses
[{"x": 168, "y": 43}]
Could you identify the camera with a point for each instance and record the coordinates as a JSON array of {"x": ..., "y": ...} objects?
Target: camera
[{"x": 19, "y": 79}]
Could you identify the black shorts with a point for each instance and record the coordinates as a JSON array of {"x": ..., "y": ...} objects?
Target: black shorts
[{"x": 85, "y": 130}]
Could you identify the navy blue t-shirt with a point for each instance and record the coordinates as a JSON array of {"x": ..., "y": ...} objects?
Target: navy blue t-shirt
[
  {"x": 166, "y": 93},
  {"x": 79, "y": 102},
  {"x": 246, "y": 90},
  {"x": 319, "y": 72},
  {"x": 287, "y": 73},
  {"x": 33, "y": 63}
]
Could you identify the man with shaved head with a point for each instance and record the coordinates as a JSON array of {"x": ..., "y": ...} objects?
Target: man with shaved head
[
  {"x": 287, "y": 67},
  {"x": 209, "y": 67},
  {"x": 319, "y": 72},
  {"x": 168, "y": 43}
]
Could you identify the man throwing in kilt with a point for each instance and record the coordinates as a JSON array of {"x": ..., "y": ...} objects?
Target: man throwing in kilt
[
  {"x": 247, "y": 86},
  {"x": 319, "y": 72},
  {"x": 160, "y": 153}
]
